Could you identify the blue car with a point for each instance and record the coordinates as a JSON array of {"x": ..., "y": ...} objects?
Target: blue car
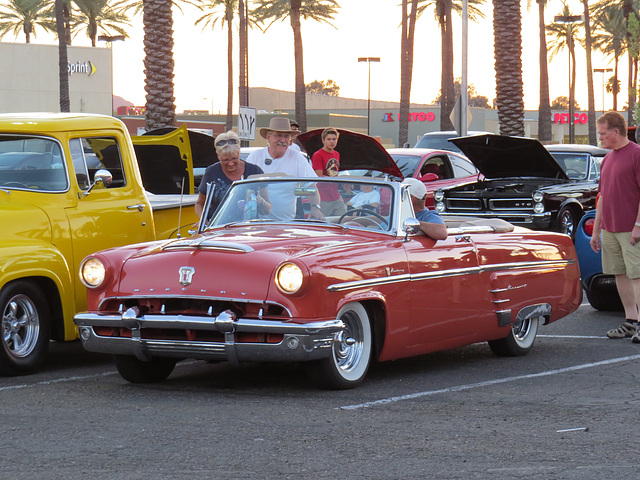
[{"x": 600, "y": 288}]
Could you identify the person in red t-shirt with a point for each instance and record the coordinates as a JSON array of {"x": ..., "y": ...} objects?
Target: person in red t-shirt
[
  {"x": 618, "y": 218},
  {"x": 326, "y": 163}
]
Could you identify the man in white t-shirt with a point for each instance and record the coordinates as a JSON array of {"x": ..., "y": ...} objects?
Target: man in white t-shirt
[{"x": 277, "y": 157}]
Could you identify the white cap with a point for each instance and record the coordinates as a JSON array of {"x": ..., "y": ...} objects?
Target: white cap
[{"x": 416, "y": 187}]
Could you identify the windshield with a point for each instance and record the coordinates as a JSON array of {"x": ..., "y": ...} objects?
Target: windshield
[
  {"x": 357, "y": 204},
  {"x": 31, "y": 163},
  {"x": 575, "y": 165}
]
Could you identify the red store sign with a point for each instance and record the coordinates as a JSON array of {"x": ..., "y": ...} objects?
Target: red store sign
[
  {"x": 413, "y": 117},
  {"x": 564, "y": 118}
]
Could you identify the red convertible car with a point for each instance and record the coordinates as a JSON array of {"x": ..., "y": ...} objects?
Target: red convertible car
[{"x": 337, "y": 293}]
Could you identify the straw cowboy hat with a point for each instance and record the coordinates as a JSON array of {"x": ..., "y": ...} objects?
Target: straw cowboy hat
[{"x": 277, "y": 124}]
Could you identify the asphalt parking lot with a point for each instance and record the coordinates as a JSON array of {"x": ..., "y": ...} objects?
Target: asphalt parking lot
[{"x": 568, "y": 410}]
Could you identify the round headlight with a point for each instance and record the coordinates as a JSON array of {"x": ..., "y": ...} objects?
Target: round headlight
[
  {"x": 289, "y": 278},
  {"x": 439, "y": 207},
  {"x": 92, "y": 272},
  {"x": 537, "y": 197},
  {"x": 538, "y": 208},
  {"x": 438, "y": 195}
]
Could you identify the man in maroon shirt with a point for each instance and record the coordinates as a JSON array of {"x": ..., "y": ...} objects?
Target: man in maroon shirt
[{"x": 618, "y": 218}]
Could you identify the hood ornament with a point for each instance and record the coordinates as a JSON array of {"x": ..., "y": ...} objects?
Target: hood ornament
[{"x": 186, "y": 275}]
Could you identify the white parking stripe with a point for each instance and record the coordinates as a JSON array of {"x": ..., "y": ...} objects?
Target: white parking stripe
[
  {"x": 487, "y": 383},
  {"x": 57, "y": 380}
]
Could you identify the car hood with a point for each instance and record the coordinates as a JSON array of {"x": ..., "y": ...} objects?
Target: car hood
[
  {"x": 357, "y": 151},
  {"x": 499, "y": 156},
  {"x": 238, "y": 262}
]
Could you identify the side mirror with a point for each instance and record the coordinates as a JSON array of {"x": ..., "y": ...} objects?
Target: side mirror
[
  {"x": 101, "y": 176},
  {"x": 410, "y": 226}
]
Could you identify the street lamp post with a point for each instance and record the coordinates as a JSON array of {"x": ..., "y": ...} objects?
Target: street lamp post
[
  {"x": 602, "y": 71},
  {"x": 369, "y": 60},
  {"x": 570, "y": 19}
]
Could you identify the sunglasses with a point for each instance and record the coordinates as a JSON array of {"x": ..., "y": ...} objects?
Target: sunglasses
[{"x": 222, "y": 143}]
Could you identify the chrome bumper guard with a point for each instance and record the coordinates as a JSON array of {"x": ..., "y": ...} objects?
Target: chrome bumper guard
[{"x": 301, "y": 342}]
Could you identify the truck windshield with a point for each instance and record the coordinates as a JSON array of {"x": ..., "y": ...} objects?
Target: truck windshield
[{"x": 31, "y": 163}]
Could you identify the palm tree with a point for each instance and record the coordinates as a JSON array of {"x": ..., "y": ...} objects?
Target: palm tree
[
  {"x": 225, "y": 17},
  {"x": 406, "y": 67},
  {"x": 507, "y": 32},
  {"x": 609, "y": 37},
  {"x": 63, "y": 61},
  {"x": 295, "y": 10},
  {"x": 593, "y": 139},
  {"x": 160, "y": 108},
  {"x": 105, "y": 15},
  {"x": 544, "y": 109},
  {"x": 563, "y": 35},
  {"x": 23, "y": 16},
  {"x": 443, "y": 11}
]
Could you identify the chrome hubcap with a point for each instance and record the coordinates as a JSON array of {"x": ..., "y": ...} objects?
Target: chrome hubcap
[{"x": 20, "y": 326}]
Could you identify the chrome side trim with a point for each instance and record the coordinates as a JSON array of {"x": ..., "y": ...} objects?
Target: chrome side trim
[{"x": 338, "y": 287}]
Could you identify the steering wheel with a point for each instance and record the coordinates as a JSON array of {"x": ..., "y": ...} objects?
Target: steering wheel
[
  {"x": 364, "y": 211},
  {"x": 14, "y": 184},
  {"x": 571, "y": 170}
]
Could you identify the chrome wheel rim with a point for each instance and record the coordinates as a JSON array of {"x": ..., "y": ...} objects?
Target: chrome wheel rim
[
  {"x": 567, "y": 223},
  {"x": 350, "y": 347},
  {"x": 20, "y": 326}
]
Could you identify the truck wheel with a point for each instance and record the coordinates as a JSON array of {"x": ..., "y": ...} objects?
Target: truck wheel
[
  {"x": 138, "y": 371},
  {"x": 350, "y": 356},
  {"x": 26, "y": 325},
  {"x": 519, "y": 341}
]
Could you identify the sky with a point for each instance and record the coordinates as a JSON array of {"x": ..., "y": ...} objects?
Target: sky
[{"x": 361, "y": 28}]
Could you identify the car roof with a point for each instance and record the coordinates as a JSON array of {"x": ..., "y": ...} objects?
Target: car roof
[{"x": 578, "y": 148}]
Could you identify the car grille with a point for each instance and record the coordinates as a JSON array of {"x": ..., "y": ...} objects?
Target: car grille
[
  {"x": 517, "y": 204},
  {"x": 493, "y": 205},
  {"x": 464, "y": 204}
]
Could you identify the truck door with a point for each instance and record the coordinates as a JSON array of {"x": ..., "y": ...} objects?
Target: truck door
[{"x": 110, "y": 216}]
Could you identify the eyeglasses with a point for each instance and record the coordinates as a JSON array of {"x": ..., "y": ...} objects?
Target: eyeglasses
[{"x": 230, "y": 141}]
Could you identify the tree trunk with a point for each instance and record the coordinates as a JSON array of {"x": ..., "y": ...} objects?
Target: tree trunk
[
  {"x": 507, "y": 31},
  {"x": 447, "y": 99},
  {"x": 301, "y": 100},
  {"x": 63, "y": 61},
  {"x": 544, "y": 109},
  {"x": 160, "y": 109},
  {"x": 229, "y": 122},
  {"x": 593, "y": 132},
  {"x": 406, "y": 69}
]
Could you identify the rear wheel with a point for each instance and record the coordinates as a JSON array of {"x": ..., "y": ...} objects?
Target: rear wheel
[
  {"x": 135, "y": 370},
  {"x": 519, "y": 341},
  {"x": 349, "y": 361},
  {"x": 25, "y": 328}
]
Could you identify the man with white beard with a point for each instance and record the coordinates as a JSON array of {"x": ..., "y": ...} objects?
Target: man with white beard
[{"x": 277, "y": 157}]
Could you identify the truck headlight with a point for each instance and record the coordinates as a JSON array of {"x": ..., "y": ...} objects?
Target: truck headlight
[
  {"x": 92, "y": 272},
  {"x": 289, "y": 278}
]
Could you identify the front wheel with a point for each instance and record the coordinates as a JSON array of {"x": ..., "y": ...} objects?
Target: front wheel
[
  {"x": 519, "y": 341},
  {"x": 138, "y": 371},
  {"x": 568, "y": 221},
  {"x": 26, "y": 324},
  {"x": 350, "y": 357}
]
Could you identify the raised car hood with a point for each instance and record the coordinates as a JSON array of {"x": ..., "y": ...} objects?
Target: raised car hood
[
  {"x": 357, "y": 151},
  {"x": 499, "y": 156}
]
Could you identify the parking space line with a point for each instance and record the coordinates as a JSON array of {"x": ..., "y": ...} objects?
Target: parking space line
[
  {"x": 57, "y": 380},
  {"x": 596, "y": 337},
  {"x": 459, "y": 388}
]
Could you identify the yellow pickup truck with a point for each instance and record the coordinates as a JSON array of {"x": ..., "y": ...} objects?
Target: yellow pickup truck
[{"x": 70, "y": 185}]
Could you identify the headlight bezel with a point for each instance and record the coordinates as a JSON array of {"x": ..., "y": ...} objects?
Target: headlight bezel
[
  {"x": 290, "y": 278},
  {"x": 93, "y": 267}
]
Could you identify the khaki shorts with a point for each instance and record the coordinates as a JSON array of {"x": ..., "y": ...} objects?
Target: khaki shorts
[
  {"x": 619, "y": 257},
  {"x": 333, "y": 208}
]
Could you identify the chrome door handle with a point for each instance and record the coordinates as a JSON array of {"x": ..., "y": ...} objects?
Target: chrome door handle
[{"x": 139, "y": 206}]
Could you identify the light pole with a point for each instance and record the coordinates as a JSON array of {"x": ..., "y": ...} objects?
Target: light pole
[
  {"x": 570, "y": 19},
  {"x": 602, "y": 71},
  {"x": 369, "y": 60},
  {"x": 109, "y": 39}
]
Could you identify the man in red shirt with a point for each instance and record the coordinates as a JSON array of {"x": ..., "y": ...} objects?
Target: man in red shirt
[
  {"x": 618, "y": 218},
  {"x": 326, "y": 163}
]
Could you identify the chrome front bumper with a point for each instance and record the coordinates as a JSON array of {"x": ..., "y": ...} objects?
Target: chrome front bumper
[{"x": 300, "y": 342}]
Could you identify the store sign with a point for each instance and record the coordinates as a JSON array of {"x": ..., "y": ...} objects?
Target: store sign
[
  {"x": 578, "y": 117},
  {"x": 412, "y": 117},
  {"x": 88, "y": 68}
]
